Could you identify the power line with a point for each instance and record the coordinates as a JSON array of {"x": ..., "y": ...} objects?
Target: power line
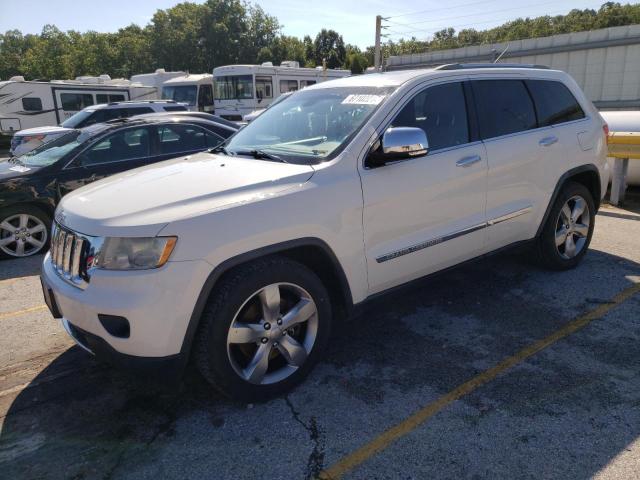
[
  {"x": 433, "y": 30},
  {"x": 440, "y": 9},
  {"x": 467, "y": 16}
]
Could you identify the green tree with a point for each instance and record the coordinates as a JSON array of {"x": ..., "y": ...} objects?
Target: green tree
[{"x": 329, "y": 46}]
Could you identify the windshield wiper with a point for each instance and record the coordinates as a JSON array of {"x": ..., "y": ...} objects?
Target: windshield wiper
[
  {"x": 261, "y": 155},
  {"x": 219, "y": 149},
  {"x": 15, "y": 159}
]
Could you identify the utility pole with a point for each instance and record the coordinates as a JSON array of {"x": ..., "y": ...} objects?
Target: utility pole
[{"x": 376, "y": 59}]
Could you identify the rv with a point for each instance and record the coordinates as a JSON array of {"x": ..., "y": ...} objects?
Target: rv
[
  {"x": 157, "y": 78},
  {"x": 196, "y": 90},
  {"x": 241, "y": 89},
  {"x": 30, "y": 104}
]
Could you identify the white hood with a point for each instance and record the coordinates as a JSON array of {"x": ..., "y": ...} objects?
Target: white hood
[
  {"x": 42, "y": 131},
  {"x": 141, "y": 202}
]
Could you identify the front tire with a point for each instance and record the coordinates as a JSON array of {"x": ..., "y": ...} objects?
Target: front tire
[
  {"x": 24, "y": 231},
  {"x": 567, "y": 232},
  {"x": 263, "y": 329}
]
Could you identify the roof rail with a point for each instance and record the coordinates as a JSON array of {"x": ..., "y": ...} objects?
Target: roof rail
[
  {"x": 466, "y": 66},
  {"x": 141, "y": 101}
]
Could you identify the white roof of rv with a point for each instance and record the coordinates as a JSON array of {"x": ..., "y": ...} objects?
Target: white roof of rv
[{"x": 191, "y": 78}]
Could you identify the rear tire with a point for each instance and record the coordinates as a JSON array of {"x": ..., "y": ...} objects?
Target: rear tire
[
  {"x": 24, "y": 231},
  {"x": 567, "y": 232},
  {"x": 263, "y": 329}
]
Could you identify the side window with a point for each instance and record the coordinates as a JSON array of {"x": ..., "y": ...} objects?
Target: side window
[
  {"x": 123, "y": 145},
  {"x": 137, "y": 111},
  {"x": 31, "y": 104},
  {"x": 554, "y": 102},
  {"x": 103, "y": 115},
  {"x": 441, "y": 112},
  {"x": 205, "y": 96},
  {"x": 306, "y": 83},
  {"x": 175, "y": 108},
  {"x": 180, "y": 138},
  {"x": 264, "y": 87},
  {"x": 288, "y": 86},
  {"x": 504, "y": 106},
  {"x": 75, "y": 101}
]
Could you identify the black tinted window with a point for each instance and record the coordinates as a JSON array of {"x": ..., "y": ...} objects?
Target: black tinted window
[
  {"x": 76, "y": 101},
  {"x": 554, "y": 102},
  {"x": 107, "y": 98},
  {"x": 103, "y": 115},
  {"x": 441, "y": 112},
  {"x": 31, "y": 104},
  {"x": 175, "y": 108},
  {"x": 504, "y": 106},
  {"x": 138, "y": 111},
  {"x": 181, "y": 138},
  {"x": 123, "y": 145}
]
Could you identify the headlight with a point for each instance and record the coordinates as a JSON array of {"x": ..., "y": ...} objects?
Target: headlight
[{"x": 135, "y": 253}]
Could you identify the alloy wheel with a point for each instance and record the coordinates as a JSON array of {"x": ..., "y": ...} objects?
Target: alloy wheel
[
  {"x": 272, "y": 334},
  {"x": 22, "y": 235},
  {"x": 572, "y": 227}
]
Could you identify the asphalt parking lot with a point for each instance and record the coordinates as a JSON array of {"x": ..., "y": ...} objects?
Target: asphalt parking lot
[{"x": 493, "y": 370}]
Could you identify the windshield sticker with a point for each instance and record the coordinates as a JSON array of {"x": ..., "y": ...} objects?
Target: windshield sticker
[
  {"x": 363, "y": 100},
  {"x": 20, "y": 168}
]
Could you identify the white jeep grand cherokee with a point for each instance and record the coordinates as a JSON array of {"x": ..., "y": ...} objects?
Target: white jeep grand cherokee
[{"x": 243, "y": 258}]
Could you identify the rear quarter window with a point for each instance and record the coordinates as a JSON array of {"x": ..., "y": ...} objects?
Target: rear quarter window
[
  {"x": 504, "y": 107},
  {"x": 554, "y": 102}
]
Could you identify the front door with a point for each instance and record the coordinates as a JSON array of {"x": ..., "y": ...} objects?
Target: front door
[
  {"x": 427, "y": 213},
  {"x": 122, "y": 150}
]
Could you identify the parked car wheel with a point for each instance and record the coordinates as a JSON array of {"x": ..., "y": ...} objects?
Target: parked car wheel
[
  {"x": 567, "y": 232},
  {"x": 263, "y": 329},
  {"x": 24, "y": 231}
]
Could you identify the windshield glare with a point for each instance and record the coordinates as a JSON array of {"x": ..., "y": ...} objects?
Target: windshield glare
[
  {"x": 230, "y": 87},
  {"x": 51, "y": 152},
  {"x": 311, "y": 125},
  {"x": 76, "y": 119},
  {"x": 182, "y": 93}
]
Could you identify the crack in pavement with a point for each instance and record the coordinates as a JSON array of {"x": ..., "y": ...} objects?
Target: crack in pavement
[{"x": 316, "y": 457}]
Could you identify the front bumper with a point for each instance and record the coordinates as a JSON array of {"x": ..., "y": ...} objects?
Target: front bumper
[{"x": 158, "y": 305}]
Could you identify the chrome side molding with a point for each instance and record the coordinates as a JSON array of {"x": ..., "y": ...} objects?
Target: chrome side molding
[{"x": 438, "y": 240}]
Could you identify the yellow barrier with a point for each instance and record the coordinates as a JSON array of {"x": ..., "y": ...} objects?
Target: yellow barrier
[{"x": 624, "y": 145}]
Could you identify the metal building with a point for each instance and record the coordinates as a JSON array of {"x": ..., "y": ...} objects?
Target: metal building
[{"x": 605, "y": 63}]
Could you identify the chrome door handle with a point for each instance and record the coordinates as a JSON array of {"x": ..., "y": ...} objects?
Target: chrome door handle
[
  {"x": 547, "y": 141},
  {"x": 468, "y": 161}
]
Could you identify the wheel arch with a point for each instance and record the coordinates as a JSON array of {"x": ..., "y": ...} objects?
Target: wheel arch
[
  {"x": 311, "y": 251},
  {"x": 587, "y": 175}
]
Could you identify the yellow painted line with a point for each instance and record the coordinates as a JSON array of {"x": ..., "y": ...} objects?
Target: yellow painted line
[
  {"x": 382, "y": 441},
  {"x": 22, "y": 312}
]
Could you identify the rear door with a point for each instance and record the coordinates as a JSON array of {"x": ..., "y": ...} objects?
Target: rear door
[
  {"x": 177, "y": 139},
  {"x": 520, "y": 155},
  {"x": 425, "y": 214}
]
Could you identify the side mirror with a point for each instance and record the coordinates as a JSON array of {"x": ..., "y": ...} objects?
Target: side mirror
[
  {"x": 398, "y": 143},
  {"x": 259, "y": 95}
]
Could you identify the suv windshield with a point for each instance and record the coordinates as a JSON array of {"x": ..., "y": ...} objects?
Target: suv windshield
[
  {"x": 76, "y": 119},
  {"x": 311, "y": 125},
  {"x": 51, "y": 152},
  {"x": 182, "y": 93}
]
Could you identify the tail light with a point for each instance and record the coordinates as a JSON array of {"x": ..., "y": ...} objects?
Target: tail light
[{"x": 605, "y": 129}]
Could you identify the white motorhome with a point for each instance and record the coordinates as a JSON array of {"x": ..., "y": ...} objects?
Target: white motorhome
[
  {"x": 196, "y": 90},
  {"x": 30, "y": 104},
  {"x": 157, "y": 78},
  {"x": 241, "y": 89}
]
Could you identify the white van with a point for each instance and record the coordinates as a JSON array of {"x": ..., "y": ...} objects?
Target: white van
[
  {"x": 242, "y": 89},
  {"x": 29, "y": 104},
  {"x": 196, "y": 90}
]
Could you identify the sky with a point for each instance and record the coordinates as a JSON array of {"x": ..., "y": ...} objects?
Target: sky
[{"x": 354, "y": 20}]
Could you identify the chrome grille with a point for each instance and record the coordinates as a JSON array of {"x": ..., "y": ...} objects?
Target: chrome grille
[{"x": 69, "y": 252}]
